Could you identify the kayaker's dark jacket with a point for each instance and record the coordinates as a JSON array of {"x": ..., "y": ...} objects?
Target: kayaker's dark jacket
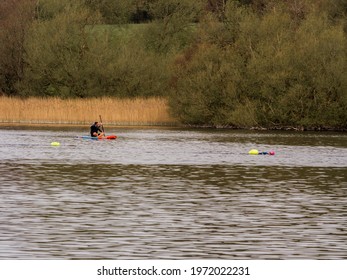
[{"x": 94, "y": 128}]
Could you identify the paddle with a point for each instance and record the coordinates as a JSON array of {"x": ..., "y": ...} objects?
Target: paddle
[{"x": 102, "y": 126}]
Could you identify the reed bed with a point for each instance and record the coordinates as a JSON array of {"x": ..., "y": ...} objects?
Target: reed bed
[{"x": 139, "y": 111}]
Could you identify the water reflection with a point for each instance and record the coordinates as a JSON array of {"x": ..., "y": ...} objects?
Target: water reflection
[{"x": 131, "y": 211}]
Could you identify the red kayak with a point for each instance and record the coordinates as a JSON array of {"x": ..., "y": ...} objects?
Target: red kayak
[{"x": 108, "y": 137}]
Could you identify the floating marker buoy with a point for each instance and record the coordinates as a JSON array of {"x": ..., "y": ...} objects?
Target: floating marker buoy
[
  {"x": 256, "y": 152},
  {"x": 253, "y": 152},
  {"x": 55, "y": 144}
]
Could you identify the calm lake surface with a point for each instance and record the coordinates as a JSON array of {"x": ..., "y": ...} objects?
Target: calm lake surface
[{"x": 172, "y": 194}]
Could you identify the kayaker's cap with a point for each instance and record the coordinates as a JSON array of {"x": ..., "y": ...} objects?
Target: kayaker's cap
[{"x": 271, "y": 153}]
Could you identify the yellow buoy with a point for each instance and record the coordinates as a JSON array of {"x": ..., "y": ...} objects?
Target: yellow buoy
[
  {"x": 55, "y": 144},
  {"x": 253, "y": 152}
]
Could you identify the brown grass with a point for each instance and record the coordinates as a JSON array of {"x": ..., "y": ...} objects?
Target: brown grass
[{"x": 152, "y": 111}]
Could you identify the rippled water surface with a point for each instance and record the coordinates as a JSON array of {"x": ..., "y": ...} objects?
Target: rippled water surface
[{"x": 172, "y": 194}]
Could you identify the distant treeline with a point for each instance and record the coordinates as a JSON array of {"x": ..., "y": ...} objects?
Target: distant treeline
[{"x": 224, "y": 63}]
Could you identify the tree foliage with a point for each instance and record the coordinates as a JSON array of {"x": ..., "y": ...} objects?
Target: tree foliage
[
  {"x": 57, "y": 49},
  {"x": 15, "y": 16},
  {"x": 120, "y": 12},
  {"x": 239, "y": 63},
  {"x": 268, "y": 70}
]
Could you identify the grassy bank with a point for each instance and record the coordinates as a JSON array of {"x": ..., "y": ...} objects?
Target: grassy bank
[{"x": 152, "y": 111}]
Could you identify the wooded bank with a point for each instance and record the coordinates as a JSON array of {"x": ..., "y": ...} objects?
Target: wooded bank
[{"x": 223, "y": 63}]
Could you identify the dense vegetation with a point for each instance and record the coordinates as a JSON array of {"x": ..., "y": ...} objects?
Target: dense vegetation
[{"x": 246, "y": 63}]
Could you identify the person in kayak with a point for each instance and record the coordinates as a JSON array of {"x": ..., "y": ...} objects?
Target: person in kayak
[{"x": 95, "y": 130}]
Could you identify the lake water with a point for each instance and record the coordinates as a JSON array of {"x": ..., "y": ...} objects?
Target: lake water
[{"x": 165, "y": 193}]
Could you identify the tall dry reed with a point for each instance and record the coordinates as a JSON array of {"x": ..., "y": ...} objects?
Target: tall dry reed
[{"x": 139, "y": 111}]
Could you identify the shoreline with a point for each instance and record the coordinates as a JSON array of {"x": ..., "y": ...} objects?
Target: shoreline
[
  {"x": 115, "y": 112},
  {"x": 162, "y": 125}
]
